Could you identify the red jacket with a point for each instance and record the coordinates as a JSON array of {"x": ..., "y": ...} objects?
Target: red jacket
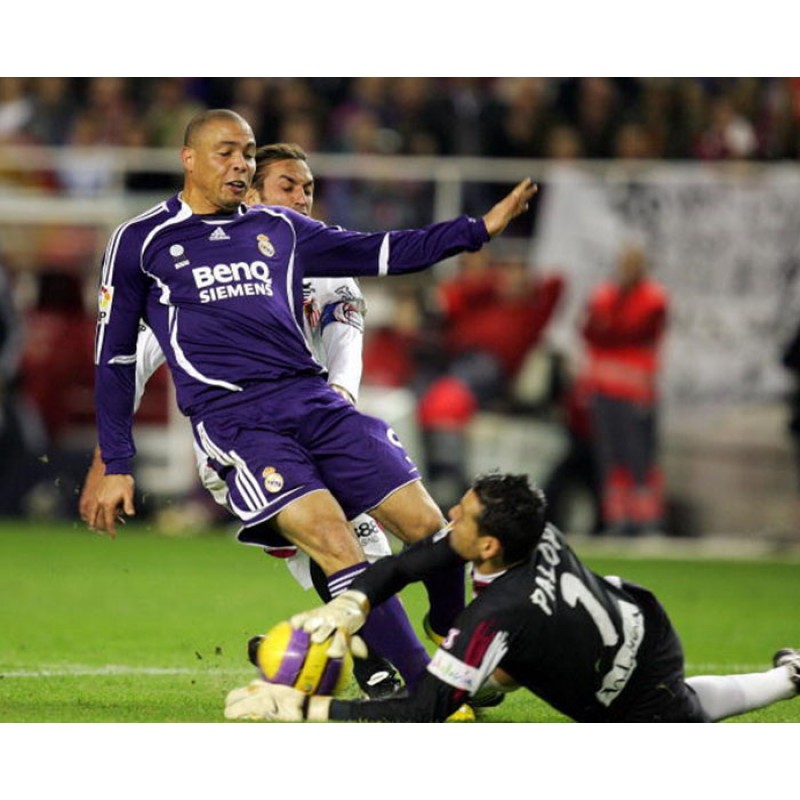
[
  {"x": 623, "y": 331},
  {"x": 479, "y": 317}
]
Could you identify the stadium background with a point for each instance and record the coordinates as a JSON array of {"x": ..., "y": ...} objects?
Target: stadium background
[{"x": 703, "y": 171}]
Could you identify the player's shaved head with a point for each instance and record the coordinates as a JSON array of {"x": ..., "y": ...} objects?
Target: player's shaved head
[{"x": 200, "y": 120}]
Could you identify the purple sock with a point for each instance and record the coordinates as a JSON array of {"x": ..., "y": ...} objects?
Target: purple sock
[
  {"x": 388, "y": 631},
  {"x": 446, "y": 598}
]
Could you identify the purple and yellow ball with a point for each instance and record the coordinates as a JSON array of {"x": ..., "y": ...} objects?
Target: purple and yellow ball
[{"x": 287, "y": 656}]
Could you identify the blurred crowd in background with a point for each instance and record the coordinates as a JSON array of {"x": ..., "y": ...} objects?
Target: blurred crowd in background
[
  {"x": 674, "y": 118},
  {"x": 470, "y": 341}
]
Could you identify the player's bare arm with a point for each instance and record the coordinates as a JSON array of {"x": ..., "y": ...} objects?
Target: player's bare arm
[{"x": 512, "y": 205}]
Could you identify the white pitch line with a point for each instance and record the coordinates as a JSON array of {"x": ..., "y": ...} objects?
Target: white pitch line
[
  {"x": 112, "y": 670},
  {"x": 79, "y": 671}
]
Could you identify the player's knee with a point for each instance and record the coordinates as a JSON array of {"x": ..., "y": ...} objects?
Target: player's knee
[
  {"x": 410, "y": 513},
  {"x": 420, "y": 523}
]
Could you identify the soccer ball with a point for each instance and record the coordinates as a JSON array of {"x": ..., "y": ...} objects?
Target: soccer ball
[{"x": 287, "y": 655}]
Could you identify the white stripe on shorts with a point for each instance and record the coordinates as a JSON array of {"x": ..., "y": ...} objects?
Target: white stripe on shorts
[{"x": 246, "y": 482}]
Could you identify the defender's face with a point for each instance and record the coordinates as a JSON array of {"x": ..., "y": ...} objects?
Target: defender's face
[
  {"x": 288, "y": 183},
  {"x": 219, "y": 166}
]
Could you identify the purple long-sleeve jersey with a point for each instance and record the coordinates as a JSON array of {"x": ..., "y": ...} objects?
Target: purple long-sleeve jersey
[{"x": 224, "y": 296}]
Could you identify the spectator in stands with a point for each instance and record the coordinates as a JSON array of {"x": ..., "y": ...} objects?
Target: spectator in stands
[
  {"x": 593, "y": 106},
  {"x": 572, "y": 486},
  {"x": 364, "y": 95},
  {"x": 58, "y": 351},
  {"x": 498, "y": 309},
  {"x": 367, "y": 205},
  {"x": 86, "y": 168},
  {"x": 392, "y": 349},
  {"x": 623, "y": 329},
  {"x": 302, "y": 129},
  {"x": 419, "y": 116},
  {"x": 450, "y": 116},
  {"x": 524, "y": 121},
  {"x": 632, "y": 141},
  {"x": 494, "y": 315},
  {"x": 250, "y": 97},
  {"x": 16, "y": 109},
  {"x": 469, "y": 100},
  {"x": 563, "y": 143},
  {"x": 110, "y": 107},
  {"x": 728, "y": 134},
  {"x": 53, "y": 109},
  {"x": 168, "y": 113}
]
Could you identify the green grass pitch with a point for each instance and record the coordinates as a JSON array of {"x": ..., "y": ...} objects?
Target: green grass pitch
[{"x": 153, "y": 629}]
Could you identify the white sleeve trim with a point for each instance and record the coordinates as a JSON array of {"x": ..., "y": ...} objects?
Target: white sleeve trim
[{"x": 383, "y": 257}]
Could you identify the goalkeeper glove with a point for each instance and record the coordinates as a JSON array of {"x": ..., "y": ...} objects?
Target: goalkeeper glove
[
  {"x": 344, "y": 614},
  {"x": 271, "y": 701}
]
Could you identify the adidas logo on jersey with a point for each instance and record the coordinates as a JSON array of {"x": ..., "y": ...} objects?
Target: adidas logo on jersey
[{"x": 218, "y": 235}]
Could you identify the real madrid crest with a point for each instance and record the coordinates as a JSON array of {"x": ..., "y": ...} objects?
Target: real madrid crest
[
  {"x": 273, "y": 480},
  {"x": 265, "y": 246}
]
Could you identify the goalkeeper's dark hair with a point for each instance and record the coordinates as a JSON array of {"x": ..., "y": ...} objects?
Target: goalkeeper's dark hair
[
  {"x": 270, "y": 153},
  {"x": 514, "y": 512}
]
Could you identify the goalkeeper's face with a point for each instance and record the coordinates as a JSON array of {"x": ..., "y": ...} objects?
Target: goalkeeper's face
[{"x": 466, "y": 537}]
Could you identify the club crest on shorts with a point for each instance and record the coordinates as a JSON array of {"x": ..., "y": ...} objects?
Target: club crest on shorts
[
  {"x": 265, "y": 246},
  {"x": 273, "y": 480}
]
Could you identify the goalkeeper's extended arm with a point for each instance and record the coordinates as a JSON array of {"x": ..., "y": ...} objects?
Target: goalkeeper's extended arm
[
  {"x": 346, "y": 613},
  {"x": 387, "y": 576},
  {"x": 260, "y": 700}
]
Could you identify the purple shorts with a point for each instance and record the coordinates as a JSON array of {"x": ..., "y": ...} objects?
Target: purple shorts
[{"x": 296, "y": 437}]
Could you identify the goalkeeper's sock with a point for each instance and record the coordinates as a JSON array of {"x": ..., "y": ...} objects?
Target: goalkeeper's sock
[
  {"x": 446, "y": 598},
  {"x": 387, "y": 631}
]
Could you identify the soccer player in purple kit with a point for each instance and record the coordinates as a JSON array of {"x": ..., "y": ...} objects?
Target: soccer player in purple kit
[
  {"x": 333, "y": 316},
  {"x": 221, "y": 288}
]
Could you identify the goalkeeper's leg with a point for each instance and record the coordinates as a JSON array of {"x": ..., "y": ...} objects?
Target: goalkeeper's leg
[{"x": 723, "y": 696}]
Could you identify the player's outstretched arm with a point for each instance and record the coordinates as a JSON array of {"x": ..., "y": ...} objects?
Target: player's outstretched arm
[
  {"x": 512, "y": 205},
  {"x": 114, "y": 497}
]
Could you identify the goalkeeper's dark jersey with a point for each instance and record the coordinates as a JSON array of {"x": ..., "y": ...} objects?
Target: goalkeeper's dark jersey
[{"x": 595, "y": 649}]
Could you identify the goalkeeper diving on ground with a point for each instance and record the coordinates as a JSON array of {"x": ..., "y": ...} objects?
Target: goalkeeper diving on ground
[{"x": 597, "y": 649}]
